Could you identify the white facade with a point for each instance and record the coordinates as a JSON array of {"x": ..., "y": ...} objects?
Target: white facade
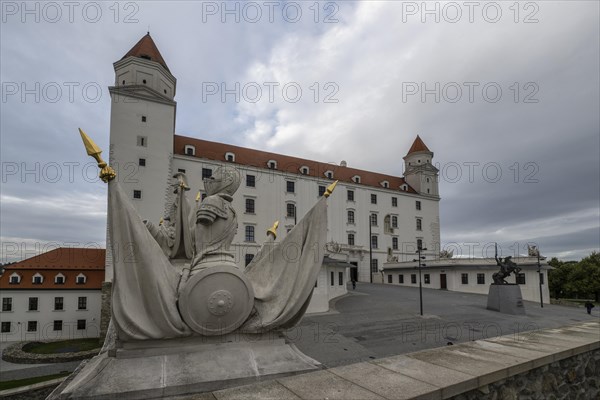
[
  {"x": 78, "y": 318},
  {"x": 469, "y": 276}
]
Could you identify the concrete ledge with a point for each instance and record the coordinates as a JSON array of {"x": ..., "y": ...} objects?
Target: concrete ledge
[
  {"x": 431, "y": 374},
  {"x": 28, "y": 388}
]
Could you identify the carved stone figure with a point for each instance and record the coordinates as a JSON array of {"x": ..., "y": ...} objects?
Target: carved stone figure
[{"x": 446, "y": 254}]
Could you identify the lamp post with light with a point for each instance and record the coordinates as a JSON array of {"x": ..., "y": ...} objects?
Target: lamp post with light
[{"x": 419, "y": 250}]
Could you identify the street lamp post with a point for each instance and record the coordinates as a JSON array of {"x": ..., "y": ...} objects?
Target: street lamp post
[
  {"x": 540, "y": 275},
  {"x": 370, "y": 250},
  {"x": 419, "y": 250}
]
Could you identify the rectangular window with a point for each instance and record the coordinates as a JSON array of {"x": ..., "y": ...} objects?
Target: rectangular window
[
  {"x": 206, "y": 173},
  {"x": 33, "y": 304},
  {"x": 394, "y": 202},
  {"x": 542, "y": 278},
  {"x": 58, "y": 303},
  {"x": 350, "y": 195},
  {"x": 142, "y": 141},
  {"x": 331, "y": 278},
  {"x": 413, "y": 278},
  {"x": 290, "y": 186},
  {"x": 419, "y": 224},
  {"x": 340, "y": 278},
  {"x": 142, "y": 162},
  {"x": 250, "y": 181},
  {"x": 400, "y": 278},
  {"x": 521, "y": 278},
  {"x": 418, "y": 204},
  {"x": 291, "y": 210},
  {"x": 464, "y": 279},
  {"x": 248, "y": 259},
  {"x": 59, "y": 280},
  {"x": 5, "y": 327},
  {"x": 374, "y": 265},
  {"x": 481, "y": 279},
  {"x": 181, "y": 170},
  {"x": 249, "y": 233},
  {"x": 82, "y": 303},
  {"x": 143, "y": 118},
  {"x": 390, "y": 278},
  {"x": 37, "y": 280},
  {"x": 14, "y": 279},
  {"x": 351, "y": 239},
  {"x": 394, "y": 243},
  {"x": 31, "y": 326},
  {"x": 374, "y": 242},
  {"x": 419, "y": 243},
  {"x": 373, "y": 199},
  {"x": 58, "y": 325},
  {"x": 7, "y": 304},
  {"x": 137, "y": 194},
  {"x": 427, "y": 279},
  {"x": 80, "y": 280},
  {"x": 322, "y": 190},
  {"x": 80, "y": 324},
  {"x": 394, "y": 221},
  {"x": 350, "y": 216},
  {"x": 373, "y": 219},
  {"x": 249, "y": 206}
]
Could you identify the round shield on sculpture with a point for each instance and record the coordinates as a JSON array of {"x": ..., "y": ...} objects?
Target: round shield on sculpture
[{"x": 216, "y": 300}]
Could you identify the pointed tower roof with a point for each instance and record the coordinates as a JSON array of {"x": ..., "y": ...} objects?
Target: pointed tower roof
[
  {"x": 146, "y": 48},
  {"x": 418, "y": 145}
]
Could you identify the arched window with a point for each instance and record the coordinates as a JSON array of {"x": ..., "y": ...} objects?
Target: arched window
[
  {"x": 356, "y": 179},
  {"x": 272, "y": 164},
  {"x": 329, "y": 174},
  {"x": 230, "y": 157},
  {"x": 304, "y": 170},
  {"x": 37, "y": 279},
  {"x": 81, "y": 279},
  {"x": 190, "y": 150},
  {"x": 59, "y": 279},
  {"x": 15, "y": 278},
  {"x": 351, "y": 216}
]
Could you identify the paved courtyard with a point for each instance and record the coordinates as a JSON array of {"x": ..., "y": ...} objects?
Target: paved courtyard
[{"x": 376, "y": 321}]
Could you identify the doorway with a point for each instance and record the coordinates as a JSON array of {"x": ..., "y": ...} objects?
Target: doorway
[{"x": 443, "y": 284}]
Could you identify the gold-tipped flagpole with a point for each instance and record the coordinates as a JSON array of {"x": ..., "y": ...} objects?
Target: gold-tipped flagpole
[
  {"x": 106, "y": 172},
  {"x": 198, "y": 197},
  {"x": 330, "y": 189},
  {"x": 273, "y": 230}
]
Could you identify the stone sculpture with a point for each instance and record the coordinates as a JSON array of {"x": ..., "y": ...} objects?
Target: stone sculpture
[{"x": 507, "y": 267}]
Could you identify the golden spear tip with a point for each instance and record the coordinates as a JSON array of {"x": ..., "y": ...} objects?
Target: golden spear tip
[
  {"x": 198, "y": 196},
  {"x": 91, "y": 147},
  {"x": 273, "y": 230},
  {"x": 330, "y": 189}
]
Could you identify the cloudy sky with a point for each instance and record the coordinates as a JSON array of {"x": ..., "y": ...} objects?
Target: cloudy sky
[{"x": 506, "y": 94}]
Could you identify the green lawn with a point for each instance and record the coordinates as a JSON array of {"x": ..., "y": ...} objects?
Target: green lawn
[
  {"x": 63, "y": 346},
  {"x": 30, "y": 381}
]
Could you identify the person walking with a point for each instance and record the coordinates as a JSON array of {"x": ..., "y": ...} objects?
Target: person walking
[
  {"x": 353, "y": 284},
  {"x": 588, "y": 306}
]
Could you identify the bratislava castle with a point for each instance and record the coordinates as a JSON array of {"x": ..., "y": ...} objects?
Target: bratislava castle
[{"x": 402, "y": 211}]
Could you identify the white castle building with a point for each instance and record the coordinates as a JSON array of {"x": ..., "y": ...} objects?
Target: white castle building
[{"x": 372, "y": 217}]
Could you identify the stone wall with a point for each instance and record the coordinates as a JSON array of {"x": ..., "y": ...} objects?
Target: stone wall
[
  {"x": 576, "y": 377},
  {"x": 105, "y": 308}
]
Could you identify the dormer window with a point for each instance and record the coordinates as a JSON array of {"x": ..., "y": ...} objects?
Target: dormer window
[
  {"x": 272, "y": 164},
  {"x": 356, "y": 179},
  {"x": 37, "y": 279},
  {"x": 189, "y": 150},
  {"x": 304, "y": 170},
  {"x": 15, "y": 278},
  {"x": 230, "y": 157},
  {"x": 404, "y": 187},
  {"x": 80, "y": 279},
  {"x": 146, "y": 57},
  {"x": 329, "y": 174},
  {"x": 59, "y": 279},
  {"x": 385, "y": 184}
]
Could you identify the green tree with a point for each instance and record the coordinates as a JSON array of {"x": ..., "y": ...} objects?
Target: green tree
[{"x": 575, "y": 279}]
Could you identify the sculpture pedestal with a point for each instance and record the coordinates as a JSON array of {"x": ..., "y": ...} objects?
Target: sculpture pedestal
[
  {"x": 506, "y": 299},
  {"x": 156, "y": 369}
]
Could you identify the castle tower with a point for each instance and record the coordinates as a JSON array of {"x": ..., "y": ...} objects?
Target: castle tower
[
  {"x": 419, "y": 171},
  {"x": 142, "y": 126}
]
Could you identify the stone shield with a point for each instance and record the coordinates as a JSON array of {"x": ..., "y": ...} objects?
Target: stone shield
[{"x": 216, "y": 300}]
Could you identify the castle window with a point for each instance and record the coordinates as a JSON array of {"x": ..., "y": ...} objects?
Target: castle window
[
  {"x": 374, "y": 242},
  {"x": 373, "y": 199},
  {"x": 31, "y": 326},
  {"x": 419, "y": 224},
  {"x": 80, "y": 324},
  {"x": 385, "y": 184},
  {"x": 304, "y": 170},
  {"x": 520, "y": 278},
  {"x": 374, "y": 265},
  {"x": 331, "y": 280},
  {"x": 249, "y": 206},
  {"x": 82, "y": 303},
  {"x": 80, "y": 279},
  {"x": 165, "y": 90},
  {"x": 356, "y": 179},
  {"x": 427, "y": 279},
  {"x": 394, "y": 202},
  {"x": 181, "y": 170},
  {"x": 7, "y": 304},
  {"x": 272, "y": 164},
  {"x": 248, "y": 259},
  {"x": 230, "y": 157},
  {"x": 390, "y": 278},
  {"x": 137, "y": 194},
  {"x": 418, "y": 205},
  {"x": 145, "y": 57},
  {"x": 59, "y": 279},
  {"x": 59, "y": 303},
  {"x": 350, "y": 216},
  {"x": 419, "y": 243},
  {"x": 58, "y": 325},
  {"x": 5, "y": 327},
  {"x": 249, "y": 233},
  {"x": 394, "y": 221},
  {"x": 142, "y": 162},
  {"x": 142, "y": 141},
  {"x": 400, "y": 278},
  {"x": 464, "y": 279},
  {"x": 481, "y": 279},
  {"x": 144, "y": 81},
  {"x": 427, "y": 190},
  {"x": 37, "y": 279},
  {"x": 427, "y": 180},
  {"x": 123, "y": 81},
  {"x": 33, "y": 304},
  {"x": 351, "y": 239},
  {"x": 350, "y": 195},
  {"x": 373, "y": 219},
  {"x": 190, "y": 150},
  {"x": 291, "y": 210},
  {"x": 15, "y": 278},
  {"x": 404, "y": 187},
  {"x": 250, "y": 181},
  {"x": 143, "y": 118},
  {"x": 290, "y": 186},
  {"x": 340, "y": 278},
  {"x": 413, "y": 278},
  {"x": 329, "y": 174},
  {"x": 394, "y": 243},
  {"x": 322, "y": 190},
  {"x": 206, "y": 173}
]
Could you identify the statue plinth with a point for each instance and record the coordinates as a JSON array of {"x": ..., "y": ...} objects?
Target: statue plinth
[
  {"x": 506, "y": 298},
  {"x": 161, "y": 368}
]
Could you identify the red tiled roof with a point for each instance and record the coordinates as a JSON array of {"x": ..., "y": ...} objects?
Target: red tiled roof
[
  {"x": 418, "y": 145},
  {"x": 259, "y": 159},
  {"x": 69, "y": 262},
  {"x": 146, "y": 48}
]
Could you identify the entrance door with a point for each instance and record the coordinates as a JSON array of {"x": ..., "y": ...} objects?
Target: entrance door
[
  {"x": 354, "y": 272},
  {"x": 443, "y": 284}
]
